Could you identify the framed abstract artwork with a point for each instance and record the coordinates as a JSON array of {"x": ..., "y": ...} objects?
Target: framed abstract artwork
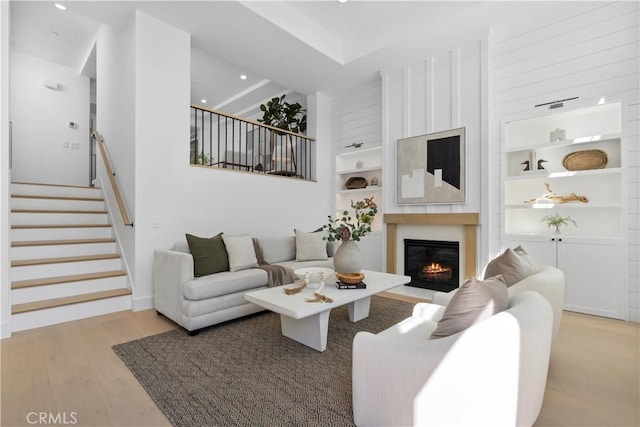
[{"x": 432, "y": 168}]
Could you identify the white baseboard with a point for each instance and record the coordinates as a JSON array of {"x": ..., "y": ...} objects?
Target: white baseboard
[
  {"x": 5, "y": 330},
  {"x": 143, "y": 303}
]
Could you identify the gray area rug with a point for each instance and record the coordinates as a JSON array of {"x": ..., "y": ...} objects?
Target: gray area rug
[{"x": 244, "y": 372}]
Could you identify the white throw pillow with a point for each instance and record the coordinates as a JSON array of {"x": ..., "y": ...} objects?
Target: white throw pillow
[
  {"x": 310, "y": 246},
  {"x": 241, "y": 252}
]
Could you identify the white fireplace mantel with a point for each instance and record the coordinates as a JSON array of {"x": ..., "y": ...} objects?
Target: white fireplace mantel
[{"x": 467, "y": 221}]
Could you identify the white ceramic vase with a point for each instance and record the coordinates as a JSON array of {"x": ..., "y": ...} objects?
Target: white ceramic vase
[{"x": 348, "y": 258}]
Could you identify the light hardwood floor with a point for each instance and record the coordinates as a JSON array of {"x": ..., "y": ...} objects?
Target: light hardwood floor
[{"x": 70, "y": 369}]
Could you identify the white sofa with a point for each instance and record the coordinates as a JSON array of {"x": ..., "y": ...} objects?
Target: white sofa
[
  {"x": 198, "y": 302},
  {"x": 547, "y": 281},
  {"x": 491, "y": 374}
]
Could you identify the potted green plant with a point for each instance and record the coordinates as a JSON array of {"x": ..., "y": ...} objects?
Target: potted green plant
[
  {"x": 350, "y": 228},
  {"x": 556, "y": 220},
  {"x": 290, "y": 117},
  {"x": 283, "y": 115}
]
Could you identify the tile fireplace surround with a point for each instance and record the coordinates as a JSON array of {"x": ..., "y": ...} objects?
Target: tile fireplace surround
[{"x": 468, "y": 222}]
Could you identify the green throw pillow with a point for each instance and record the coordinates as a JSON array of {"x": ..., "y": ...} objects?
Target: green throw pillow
[{"x": 209, "y": 254}]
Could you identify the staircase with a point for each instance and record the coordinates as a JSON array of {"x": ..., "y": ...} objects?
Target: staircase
[{"x": 64, "y": 261}]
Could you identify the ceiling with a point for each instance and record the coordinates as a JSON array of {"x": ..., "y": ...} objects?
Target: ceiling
[{"x": 305, "y": 46}]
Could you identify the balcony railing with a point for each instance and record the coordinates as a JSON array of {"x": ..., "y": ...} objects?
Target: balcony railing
[{"x": 221, "y": 140}]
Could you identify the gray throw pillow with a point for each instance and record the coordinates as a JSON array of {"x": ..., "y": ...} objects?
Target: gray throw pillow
[
  {"x": 524, "y": 255},
  {"x": 209, "y": 254},
  {"x": 310, "y": 246},
  {"x": 474, "y": 301},
  {"x": 242, "y": 254},
  {"x": 511, "y": 266}
]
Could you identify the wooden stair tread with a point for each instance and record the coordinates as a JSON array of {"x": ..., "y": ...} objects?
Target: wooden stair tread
[
  {"x": 72, "y": 198},
  {"x": 76, "y": 299},
  {"x": 60, "y": 260},
  {"x": 24, "y": 243},
  {"x": 54, "y": 185},
  {"x": 19, "y": 284},
  {"x": 30, "y": 226},
  {"x": 60, "y": 211}
]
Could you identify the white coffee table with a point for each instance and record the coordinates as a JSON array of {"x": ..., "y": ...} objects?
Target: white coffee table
[{"x": 308, "y": 322}]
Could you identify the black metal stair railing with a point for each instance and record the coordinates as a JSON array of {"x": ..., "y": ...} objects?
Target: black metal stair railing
[{"x": 221, "y": 140}]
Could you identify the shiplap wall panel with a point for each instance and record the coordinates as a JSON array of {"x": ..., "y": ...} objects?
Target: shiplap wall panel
[
  {"x": 612, "y": 55},
  {"x": 355, "y": 116},
  {"x": 536, "y": 44},
  {"x": 591, "y": 54}
]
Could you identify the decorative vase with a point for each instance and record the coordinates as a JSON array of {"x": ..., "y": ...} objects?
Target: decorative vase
[{"x": 348, "y": 258}]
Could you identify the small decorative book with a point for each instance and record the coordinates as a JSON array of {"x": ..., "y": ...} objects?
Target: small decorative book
[{"x": 342, "y": 285}]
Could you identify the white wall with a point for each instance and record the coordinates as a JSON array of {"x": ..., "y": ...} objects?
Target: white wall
[
  {"x": 197, "y": 200},
  {"x": 589, "y": 54},
  {"x": 40, "y": 117},
  {"x": 115, "y": 121},
  {"x": 5, "y": 175},
  {"x": 445, "y": 91}
]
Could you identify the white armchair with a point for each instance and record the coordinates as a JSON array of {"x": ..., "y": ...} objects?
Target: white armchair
[
  {"x": 492, "y": 374},
  {"x": 547, "y": 281}
]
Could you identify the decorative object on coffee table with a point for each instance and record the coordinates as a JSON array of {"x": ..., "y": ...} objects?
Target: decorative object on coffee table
[
  {"x": 315, "y": 275},
  {"x": 298, "y": 289},
  {"x": 349, "y": 229},
  {"x": 350, "y": 278}
]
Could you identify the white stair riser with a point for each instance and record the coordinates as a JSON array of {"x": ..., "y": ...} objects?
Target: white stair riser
[
  {"x": 39, "y": 293},
  {"x": 52, "y": 316},
  {"x": 57, "y": 218},
  {"x": 64, "y": 269},
  {"x": 48, "y": 190},
  {"x": 33, "y": 252},
  {"x": 30, "y": 234},
  {"x": 57, "y": 204}
]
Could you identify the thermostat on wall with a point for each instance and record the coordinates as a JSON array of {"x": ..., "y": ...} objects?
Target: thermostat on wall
[{"x": 73, "y": 125}]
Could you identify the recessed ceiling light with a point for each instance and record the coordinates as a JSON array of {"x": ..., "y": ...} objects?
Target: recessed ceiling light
[
  {"x": 204, "y": 101},
  {"x": 342, "y": 1},
  {"x": 60, "y": 6},
  {"x": 243, "y": 77}
]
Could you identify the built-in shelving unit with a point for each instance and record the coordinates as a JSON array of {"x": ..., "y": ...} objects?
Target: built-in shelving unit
[
  {"x": 366, "y": 163},
  {"x": 539, "y": 181}
]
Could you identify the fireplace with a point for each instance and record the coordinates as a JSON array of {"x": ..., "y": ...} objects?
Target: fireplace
[{"x": 432, "y": 264}]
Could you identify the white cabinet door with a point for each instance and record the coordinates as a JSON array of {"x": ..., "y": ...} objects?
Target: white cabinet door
[
  {"x": 594, "y": 269},
  {"x": 595, "y": 275},
  {"x": 542, "y": 250}
]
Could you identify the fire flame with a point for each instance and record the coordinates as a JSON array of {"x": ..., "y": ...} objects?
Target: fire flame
[{"x": 435, "y": 267}]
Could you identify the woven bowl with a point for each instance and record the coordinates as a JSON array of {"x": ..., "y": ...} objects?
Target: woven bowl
[
  {"x": 585, "y": 160},
  {"x": 350, "y": 278}
]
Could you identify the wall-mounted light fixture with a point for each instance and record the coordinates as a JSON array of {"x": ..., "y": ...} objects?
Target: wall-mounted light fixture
[
  {"x": 50, "y": 84},
  {"x": 557, "y": 103},
  {"x": 354, "y": 145}
]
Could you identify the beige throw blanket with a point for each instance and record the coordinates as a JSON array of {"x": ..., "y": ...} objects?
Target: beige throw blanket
[{"x": 278, "y": 275}]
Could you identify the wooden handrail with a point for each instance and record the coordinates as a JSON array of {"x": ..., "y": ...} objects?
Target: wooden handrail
[
  {"x": 112, "y": 178},
  {"x": 253, "y": 122}
]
